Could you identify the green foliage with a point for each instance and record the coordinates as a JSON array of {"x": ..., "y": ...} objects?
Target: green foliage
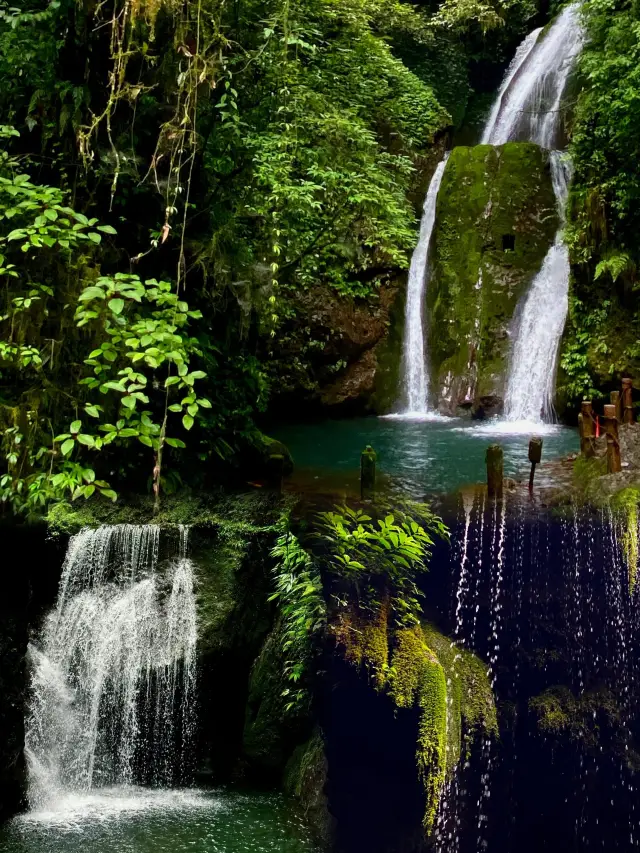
[
  {"x": 604, "y": 208},
  {"x": 417, "y": 678},
  {"x": 378, "y": 627},
  {"x": 133, "y": 343},
  {"x": 298, "y": 591},
  {"x": 394, "y": 548},
  {"x": 583, "y": 338}
]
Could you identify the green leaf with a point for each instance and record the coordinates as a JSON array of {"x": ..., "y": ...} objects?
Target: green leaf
[
  {"x": 68, "y": 446},
  {"x": 107, "y": 229},
  {"x": 109, "y": 493},
  {"x": 116, "y": 305},
  {"x": 95, "y": 238},
  {"x": 175, "y": 442},
  {"x": 171, "y": 380},
  {"x": 92, "y": 411},
  {"x": 144, "y": 439},
  {"x": 187, "y": 421},
  {"x": 75, "y": 427},
  {"x": 87, "y": 440}
]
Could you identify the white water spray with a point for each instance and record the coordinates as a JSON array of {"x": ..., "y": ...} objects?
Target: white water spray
[
  {"x": 114, "y": 679},
  {"x": 415, "y": 376}
]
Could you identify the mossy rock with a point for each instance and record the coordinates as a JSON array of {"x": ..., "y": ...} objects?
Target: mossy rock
[
  {"x": 271, "y": 730},
  {"x": 496, "y": 219},
  {"x": 304, "y": 779}
]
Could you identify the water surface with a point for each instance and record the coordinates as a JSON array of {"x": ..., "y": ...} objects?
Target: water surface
[
  {"x": 420, "y": 455},
  {"x": 138, "y": 820}
]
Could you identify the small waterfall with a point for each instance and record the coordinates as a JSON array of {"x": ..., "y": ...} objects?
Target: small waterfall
[
  {"x": 113, "y": 681},
  {"x": 531, "y": 380},
  {"x": 528, "y": 104},
  {"x": 415, "y": 377}
]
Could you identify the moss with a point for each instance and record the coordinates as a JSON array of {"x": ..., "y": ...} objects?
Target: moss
[
  {"x": 585, "y": 473},
  {"x": 304, "y": 779},
  {"x": 250, "y": 511},
  {"x": 589, "y": 718},
  {"x": 448, "y": 686},
  {"x": 389, "y": 359},
  {"x": 486, "y": 193},
  {"x": 416, "y": 678},
  {"x": 365, "y": 642},
  {"x": 471, "y": 702},
  {"x": 626, "y": 503}
]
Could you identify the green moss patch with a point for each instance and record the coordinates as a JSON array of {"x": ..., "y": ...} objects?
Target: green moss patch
[{"x": 496, "y": 219}]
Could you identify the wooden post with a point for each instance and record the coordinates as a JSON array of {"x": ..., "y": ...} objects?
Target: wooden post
[
  {"x": 627, "y": 400},
  {"x": 495, "y": 471},
  {"x": 367, "y": 471},
  {"x": 587, "y": 435},
  {"x": 275, "y": 472},
  {"x": 535, "y": 456},
  {"x": 616, "y": 400},
  {"x": 613, "y": 445}
]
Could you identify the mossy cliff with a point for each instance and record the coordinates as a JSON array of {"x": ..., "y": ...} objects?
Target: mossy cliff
[
  {"x": 495, "y": 220},
  {"x": 422, "y": 671}
]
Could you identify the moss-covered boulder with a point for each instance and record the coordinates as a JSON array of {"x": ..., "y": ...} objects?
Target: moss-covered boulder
[
  {"x": 305, "y": 779},
  {"x": 495, "y": 220},
  {"x": 267, "y": 741}
]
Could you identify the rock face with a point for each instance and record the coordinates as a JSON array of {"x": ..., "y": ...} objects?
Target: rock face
[{"x": 495, "y": 221}]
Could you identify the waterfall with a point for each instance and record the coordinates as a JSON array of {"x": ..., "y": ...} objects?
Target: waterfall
[
  {"x": 528, "y": 108},
  {"x": 521, "y": 56},
  {"x": 528, "y": 105},
  {"x": 415, "y": 376},
  {"x": 113, "y": 679},
  {"x": 541, "y": 319}
]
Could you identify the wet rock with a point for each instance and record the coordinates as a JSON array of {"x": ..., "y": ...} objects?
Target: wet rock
[
  {"x": 487, "y": 407},
  {"x": 496, "y": 219}
]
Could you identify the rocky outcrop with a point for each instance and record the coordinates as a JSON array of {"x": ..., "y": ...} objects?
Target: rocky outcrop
[{"x": 495, "y": 220}]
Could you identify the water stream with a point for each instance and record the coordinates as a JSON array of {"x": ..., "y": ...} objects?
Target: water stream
[
  {"x": 540, "y": 322},
  {"x": 528, "y": 107},
  {"x": 414, "y": 367}
]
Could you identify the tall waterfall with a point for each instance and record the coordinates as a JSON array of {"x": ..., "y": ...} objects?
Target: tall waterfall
[
  {"x": 532, "y": 368},
  {"x": 415, "y": 376},
  {"x": 528, "y": 108},
  {"x": 113, "y": 680},
  {"x": 528, "y": 104}
]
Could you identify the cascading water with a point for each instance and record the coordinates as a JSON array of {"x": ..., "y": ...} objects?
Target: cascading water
[
  {"x": 113, "y": 682},
  {"x": 521, "y": 55},
  {"x": 528, "y": 108},
  {"x": 415, "y": 376},
  {"x": 532, "y": 371},
  {"x": 528, "y": 104}
]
